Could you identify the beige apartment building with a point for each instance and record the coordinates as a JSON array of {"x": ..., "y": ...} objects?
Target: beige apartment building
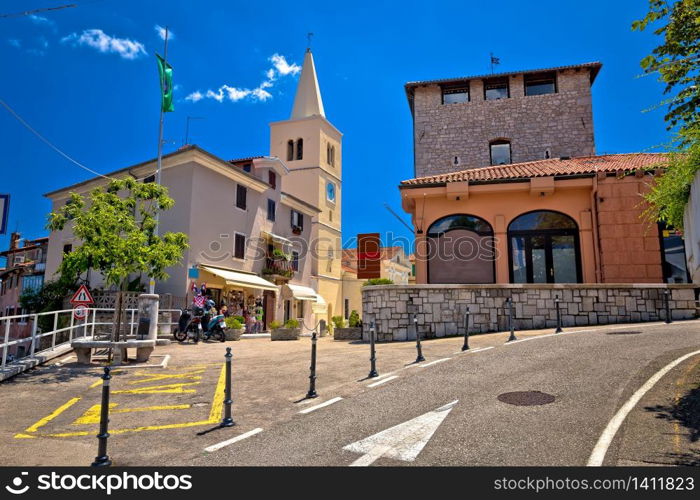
[{"x": 262, "y": 228}]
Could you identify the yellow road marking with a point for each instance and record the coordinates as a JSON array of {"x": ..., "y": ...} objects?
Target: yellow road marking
[
  {"x": 48, "y": 418},
  {"x": 160, "y": 389},
  {"x": 193, "y": 375},
  {"x": 99, "y": 381},
  {"x": 217, "y": 404},
  {"x": 217, "y": 407},
  {"x": 92, "y": 415}
]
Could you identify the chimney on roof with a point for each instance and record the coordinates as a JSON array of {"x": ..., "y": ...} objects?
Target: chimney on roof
[
  {"x": 565, "y": 157},
  {"x": 14, "y": 241}
]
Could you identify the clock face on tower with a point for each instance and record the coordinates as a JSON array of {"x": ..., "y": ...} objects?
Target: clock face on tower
[{"x": 330, "y": 191}]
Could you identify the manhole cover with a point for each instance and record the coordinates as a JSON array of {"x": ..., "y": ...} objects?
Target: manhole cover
[
  {"x": 625, "y": 332},
  {"x": 526, "y": 398}
]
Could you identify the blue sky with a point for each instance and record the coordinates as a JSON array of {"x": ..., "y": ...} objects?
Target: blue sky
[{"x": 86, "y": 79}]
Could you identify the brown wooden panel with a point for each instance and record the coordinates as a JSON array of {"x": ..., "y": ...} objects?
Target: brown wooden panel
[{"x": 368, "y": 256}]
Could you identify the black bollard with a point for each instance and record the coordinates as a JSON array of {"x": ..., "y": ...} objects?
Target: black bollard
[
  {"x": 465, "y": 347},
  {"x": 510, "y": 320},
  {"x": 312, "y": 376},
  {"x": 420, "y": 357},
  {"x": 667, "y": 305},
  {"x": 556, "y": 304},
  {"x": 373, "y": 353},
  {"x": 227, "y": 421},
  {"x": 102, "y": 459}
]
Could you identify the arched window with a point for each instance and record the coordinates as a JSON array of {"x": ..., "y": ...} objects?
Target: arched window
[
  {"x": 543, "y": 247},
  {"x": 300, "y": 149},
  {"x": 290, "y": 150},
  {"x": 461, "y": 250},
  {"x": 330, "y": 154},
  {"x": 500, "y": 152}
]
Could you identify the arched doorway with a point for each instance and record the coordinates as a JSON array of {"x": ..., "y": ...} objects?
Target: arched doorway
[
  {"x": 543, "y": 247},
  {"x": 461, "y": 250}
]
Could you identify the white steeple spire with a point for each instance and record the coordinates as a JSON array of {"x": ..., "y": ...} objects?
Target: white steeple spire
[{"x": 308, "y": 100}]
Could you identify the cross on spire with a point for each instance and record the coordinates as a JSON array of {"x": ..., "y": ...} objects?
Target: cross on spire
[{"x": 308, "y": 38}]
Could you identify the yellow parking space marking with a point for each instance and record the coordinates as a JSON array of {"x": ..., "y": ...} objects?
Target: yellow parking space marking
[
  {"x": 92, "y": 415},
  {"x": 217, "y": 407},
  {"x": 151, "y": 377},
  {"x": 42, "y": 422},
  {"x": 99, "y": 381},
  {"x": 160, "y": 389}
]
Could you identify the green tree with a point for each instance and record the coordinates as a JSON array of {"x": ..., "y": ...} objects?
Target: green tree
[
  {"x": 677, "y": 62},
  {"x": 116, "y": 226}
]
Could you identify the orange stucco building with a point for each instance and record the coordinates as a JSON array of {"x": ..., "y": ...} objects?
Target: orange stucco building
[{"x": 471, "y": 226}]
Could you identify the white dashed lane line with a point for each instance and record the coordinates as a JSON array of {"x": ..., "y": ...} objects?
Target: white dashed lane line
[
  {"x": 220, "y": 445},
  {"x": 387, "y": 379},
  {"x": 322, "y": 405},
  {"x": 434, "y": 362}
]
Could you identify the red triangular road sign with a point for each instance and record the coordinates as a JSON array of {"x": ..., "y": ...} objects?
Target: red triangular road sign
[{"x": 82, "y": 296}]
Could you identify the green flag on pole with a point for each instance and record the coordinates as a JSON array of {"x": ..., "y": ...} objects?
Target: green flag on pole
[{"x": 166, "y": 84}]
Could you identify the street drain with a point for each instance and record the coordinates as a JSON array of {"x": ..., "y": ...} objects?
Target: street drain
[
  {"x": 625, "y": 332},
  {"x": 526, "y": 398}
]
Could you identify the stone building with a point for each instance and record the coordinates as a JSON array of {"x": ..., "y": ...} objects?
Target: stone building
[
  {"x": 476, "y": 121},
  {"x": 511, "y": 203}
]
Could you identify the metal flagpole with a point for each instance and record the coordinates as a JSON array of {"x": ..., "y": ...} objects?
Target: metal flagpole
[{"x": 152, "y": 281}]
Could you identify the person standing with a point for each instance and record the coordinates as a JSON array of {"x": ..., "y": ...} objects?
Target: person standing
[{"x": 259, "y": 313}]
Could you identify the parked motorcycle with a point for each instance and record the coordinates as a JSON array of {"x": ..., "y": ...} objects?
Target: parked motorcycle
[{"x": 189, "y": 325}]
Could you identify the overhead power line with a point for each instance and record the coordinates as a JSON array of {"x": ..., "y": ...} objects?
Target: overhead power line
[
  {"x": 35, "y": 11},
  {"x": 47, "y": 142}
]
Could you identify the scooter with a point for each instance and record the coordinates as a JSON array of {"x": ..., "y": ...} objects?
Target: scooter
[
  {"x": 189, "y": 326},
  {"x": 216, "y": 328}
]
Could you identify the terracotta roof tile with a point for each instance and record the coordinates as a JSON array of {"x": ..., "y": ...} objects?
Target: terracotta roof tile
[{"x": 544, "y": 168}]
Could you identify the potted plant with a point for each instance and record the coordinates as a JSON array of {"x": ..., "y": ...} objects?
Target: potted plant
[
  {"x": 289, "y": 331},
  {"x": 234, "y": 328},
  {"x": 352, "y": 332}
]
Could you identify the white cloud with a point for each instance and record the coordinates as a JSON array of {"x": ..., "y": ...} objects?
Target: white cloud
[
  {"x": 15, "y": 43},
  {"x": 43, "y": 41},
  {"x": 280, "y": 67},
  {"x": 161, "y": 32},
  {"x": 98, "y": 39},
  {"x": 283, "y": 67},
  {"x": 41, "y": 20},
  {"x": 195, "y": 96}
]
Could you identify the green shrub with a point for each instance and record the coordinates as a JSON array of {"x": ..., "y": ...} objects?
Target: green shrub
[
  {"x": 338, "y": 321},
  {"x": 233, "y": 323},
  {"x": 240, "y": 319},
  {"x": 354, "y": 319},
  {"x": 291, "y": 323},
  {"x": 274, "y": 325},
  {"x": 378, "y": 281}
]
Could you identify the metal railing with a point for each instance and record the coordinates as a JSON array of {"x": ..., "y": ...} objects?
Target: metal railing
[{"x": 74, "y": 328}]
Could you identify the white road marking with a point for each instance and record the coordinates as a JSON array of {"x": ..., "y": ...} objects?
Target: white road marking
[
  {"x": 434, "y": 362},
  {"x": 601, "y": 448},
  {"x": 384, "y": 375},
  {"x": 325, "y": 403},
  {"x": 243, "y": 436},
  {"x": 401, "y": 442},
  {"x": 478, "y": 349},
  {"x": 388, "y": 379}
]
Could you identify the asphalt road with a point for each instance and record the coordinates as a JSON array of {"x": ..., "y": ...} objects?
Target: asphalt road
[{"x": 590, "y": 374}]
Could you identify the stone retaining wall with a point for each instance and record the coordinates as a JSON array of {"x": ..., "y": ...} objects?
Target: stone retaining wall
[{"x": 440, "y": 308}]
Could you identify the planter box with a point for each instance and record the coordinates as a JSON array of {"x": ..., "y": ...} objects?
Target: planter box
[
  {"x": 285, "y": 334},
  {"x": 347, "y": 333},
  {"x": 232, "y": 334}
]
